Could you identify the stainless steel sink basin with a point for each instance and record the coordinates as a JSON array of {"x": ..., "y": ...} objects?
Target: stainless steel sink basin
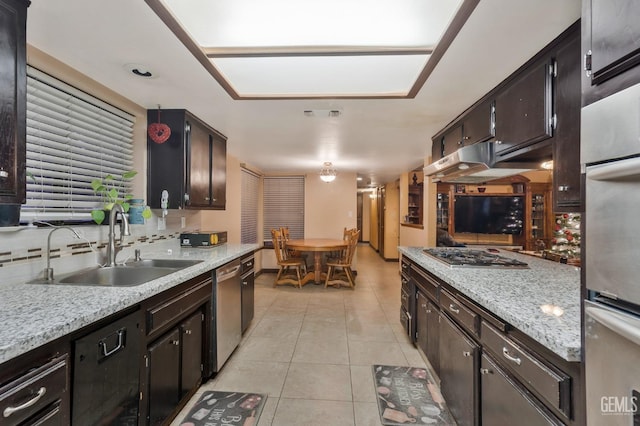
[
  {"x": 163, "y": 263},
  {"x": 127, "y": 275},
  {"x": 116, "y": 276}
]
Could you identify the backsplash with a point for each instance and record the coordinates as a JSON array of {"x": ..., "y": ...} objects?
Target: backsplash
[{"x": 23, "y": 250}]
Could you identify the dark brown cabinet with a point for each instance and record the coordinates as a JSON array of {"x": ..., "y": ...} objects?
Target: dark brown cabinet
[
  {"x": 452, "y": 140},
  {"x": 459, "y": 356},
  {"x": 415, "y": 204},
  {"x": 566, "y": 142},
  {"x": 191, "y": 354},
  {"x": 504, "y": 402},
  {"x": 523, "y": 109},
  {"x": 610, "y": 47},
  {"x": 190, "y": 165},
  {"x": 163, "y": 371},
  {"x": 427, "y": 319},
  {"x": 248, "y": 290},
  {"x": 477, "y": 125},
  {"x": 13, "y": 99}
]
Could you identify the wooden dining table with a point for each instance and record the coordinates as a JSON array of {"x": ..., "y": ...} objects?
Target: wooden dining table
[{"x": 317, "y": 246}]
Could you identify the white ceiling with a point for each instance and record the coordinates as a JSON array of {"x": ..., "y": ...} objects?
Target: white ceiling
[{"x": 379, "y": 139}]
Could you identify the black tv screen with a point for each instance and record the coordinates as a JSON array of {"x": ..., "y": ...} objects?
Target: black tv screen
[{"x": 498, "y": 214}]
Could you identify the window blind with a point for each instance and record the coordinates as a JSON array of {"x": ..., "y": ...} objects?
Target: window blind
[
  {"x": 72, "y": 139},
  {"x": 249, "y": 207},
  {"x": 284, "y": 205}
]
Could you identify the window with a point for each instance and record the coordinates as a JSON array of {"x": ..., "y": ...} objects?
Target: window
[
  {"x": 284, "y": 205},
  {"x": 72, "y": 139},
  {"x": 249, "y": 207}
]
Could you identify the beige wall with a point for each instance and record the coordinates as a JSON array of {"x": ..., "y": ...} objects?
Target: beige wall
[
  {"x": 391, "y": 220},
  {"x": 373, "y": 228},
  {"x": 366, "y": 216},
  {"x": 228, "y": 219}
]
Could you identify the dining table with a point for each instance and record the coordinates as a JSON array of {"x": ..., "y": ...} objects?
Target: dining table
[{"x": 317, "y": 246}]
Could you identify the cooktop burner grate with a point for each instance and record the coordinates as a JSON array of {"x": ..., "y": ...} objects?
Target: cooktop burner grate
[{"x": 468, "y": 258}]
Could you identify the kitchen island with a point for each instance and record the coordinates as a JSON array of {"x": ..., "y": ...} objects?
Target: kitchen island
[{"x": 507, "y": 339}]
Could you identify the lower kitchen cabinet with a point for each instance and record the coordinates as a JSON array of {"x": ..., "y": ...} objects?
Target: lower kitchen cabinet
[
  {"x": 459, "y": 357},
  {"x": 504, "y": 402},
  {"x": 248, "y": 289},
  {"x": 427, "y": 329},
  {"x": 191, "y": 362}
]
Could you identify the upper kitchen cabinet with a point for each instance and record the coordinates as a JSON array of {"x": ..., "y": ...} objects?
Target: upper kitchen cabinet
[
  {"x": 610, "y": 47},
  {"x": 13, "y": 100},
  {"x": 566, "y": 142},
  {"x": 523, "y": 109},
  {"x": 475, "y": 126},
  {"x": 190, "y": 165}
]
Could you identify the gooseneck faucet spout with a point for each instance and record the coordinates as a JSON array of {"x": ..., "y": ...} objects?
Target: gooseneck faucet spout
[
  {"x": 112, "y": 249},
  {"x": 48, "y": 271}
]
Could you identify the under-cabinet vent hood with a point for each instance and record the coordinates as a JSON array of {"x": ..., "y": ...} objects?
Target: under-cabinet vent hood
[{"x": 475, "y": 164}]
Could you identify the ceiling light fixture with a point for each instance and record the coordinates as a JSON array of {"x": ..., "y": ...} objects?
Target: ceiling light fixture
[
  {"x": 328, "y": 173},
  {"x": 547, "y": 165}
]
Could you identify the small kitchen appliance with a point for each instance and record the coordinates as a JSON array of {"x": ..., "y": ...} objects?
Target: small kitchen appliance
[{"x": 203, "y": 239}]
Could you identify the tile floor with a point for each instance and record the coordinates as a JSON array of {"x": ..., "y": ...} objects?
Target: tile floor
[{"x": 311, "y": 349}]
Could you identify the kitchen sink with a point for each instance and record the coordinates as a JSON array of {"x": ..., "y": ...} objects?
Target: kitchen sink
[
  {"x": 127, "y": 275},
  {"x": 163, "y": 263}
]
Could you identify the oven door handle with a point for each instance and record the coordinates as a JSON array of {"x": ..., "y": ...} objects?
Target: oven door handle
[
  {"x": 627, "y": 327},
  {"x": 628, "y": 168}
]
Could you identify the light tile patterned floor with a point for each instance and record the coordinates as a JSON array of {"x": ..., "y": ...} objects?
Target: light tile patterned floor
[{"x": 311, "y": 349}]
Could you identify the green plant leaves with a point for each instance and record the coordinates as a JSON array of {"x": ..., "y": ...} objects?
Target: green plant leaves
[{"x": 97, "y": 216}]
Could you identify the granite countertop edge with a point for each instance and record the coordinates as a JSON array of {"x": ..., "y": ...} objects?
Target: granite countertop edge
[
  {"x": 516, "y": 296},
  {"x": 35, "y": 314}
]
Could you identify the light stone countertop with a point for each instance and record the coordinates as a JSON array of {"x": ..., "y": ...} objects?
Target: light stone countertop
[
  {"x": 34, "y": 314},
  {"x": 516, "y": 295}
]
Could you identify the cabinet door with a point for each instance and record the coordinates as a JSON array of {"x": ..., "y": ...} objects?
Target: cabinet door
[
  {"x": 478, "y": 125},
  {"x": 199, "y": 169},
  {"x": 421, "y": 322},
  {"x": 436, "y": 149},
  {"x": 458, "y": 372},
  {"x": 13, "y": 89},
  {"x": 163, "y": 376},
  {"x": 523, "y": 110},
  {"x": 218, "y": 172},
  {"x": 433, "y": 336},
  {"x": 452, "y": 140},
  {"x": 191, "y": 355},
  {"x": 566, "y": 144},
  {"x": 506, "y": 403},
  {"x": 248, "y": 287}
]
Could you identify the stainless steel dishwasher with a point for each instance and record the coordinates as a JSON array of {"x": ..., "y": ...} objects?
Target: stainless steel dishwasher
[{"x": 227, "y": 313}]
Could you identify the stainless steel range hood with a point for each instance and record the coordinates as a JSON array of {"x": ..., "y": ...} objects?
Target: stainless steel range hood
[{"x": 475, "y": 164}]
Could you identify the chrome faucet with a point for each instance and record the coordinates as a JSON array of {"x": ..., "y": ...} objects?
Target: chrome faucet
[
  {"x": 48, "y": 271},
  {"x": 112, "y": 249}
]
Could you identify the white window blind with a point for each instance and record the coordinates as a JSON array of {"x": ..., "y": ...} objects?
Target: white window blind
[
  {"x": 249, "y": 207},
  {"x": 72, "y": 139},
  {"x": 284, "y": 205}
]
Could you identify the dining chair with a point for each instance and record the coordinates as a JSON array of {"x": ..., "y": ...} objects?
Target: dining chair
[
  {"x": 293, "y": 253},
  {"x": 339, "y": 270},
  {"x": 290, "y": 268}
]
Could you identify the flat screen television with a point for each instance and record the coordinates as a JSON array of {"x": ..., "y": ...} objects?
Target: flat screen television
[{"x": 491, "y": 214}]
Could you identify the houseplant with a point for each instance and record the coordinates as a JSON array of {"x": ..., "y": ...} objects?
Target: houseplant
[{"x": 110, "y": 189}]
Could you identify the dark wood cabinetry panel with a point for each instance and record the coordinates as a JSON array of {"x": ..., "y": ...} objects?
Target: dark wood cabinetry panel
[
  {"x": 190, "y": 165},
  {"x": 248, "y": 291},
  {"x": 427, "y": 330},
  {"x": 503, "y": 400},
  {"x": 478, "y": 125},
  {"x": 566, "y": 143},
  {"x": 459, "y": 372},
  {"x": 13, "y": 99},
  {"x": 523, "y": 109},
  {"x": 452, "y": 140},
  {"x": 191, "y": 353},
  {"x": 163, "y": 376},
  {"x": 610, "y": 47}
]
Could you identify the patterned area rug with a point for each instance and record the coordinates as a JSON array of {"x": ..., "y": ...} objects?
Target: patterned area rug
[
  {"x": 409, "y": 395},
  {"x": 220, "y": 408}
]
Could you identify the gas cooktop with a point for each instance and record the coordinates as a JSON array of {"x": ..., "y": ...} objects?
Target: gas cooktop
[{"x": 468, "y": 258}]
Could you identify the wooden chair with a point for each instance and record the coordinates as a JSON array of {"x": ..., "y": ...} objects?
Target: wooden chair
[
  {"x": 293, "y": 253},
  {"x": 288, "y": 265},
  {"x": 339, "y": 270}
]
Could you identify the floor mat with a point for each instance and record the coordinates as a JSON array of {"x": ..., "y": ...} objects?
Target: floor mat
[
  {"x": 216, "y": 407},
  {"x": 409, "y": 395}
]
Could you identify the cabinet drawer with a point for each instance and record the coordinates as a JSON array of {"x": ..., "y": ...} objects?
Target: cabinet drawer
[
  {"x": 405, "y": 266},
  {"x": 551, "y": 385},
  {"x": 173, "y": 308},
  {"x": 246, "y": 264},
  {"x": 459, "y": 312},
  {"x": 426, "y": 283},
  {"x": 33, "y": 391},
  {"x": 405, "y": 299},
  {"x": 405, "y": 281}
]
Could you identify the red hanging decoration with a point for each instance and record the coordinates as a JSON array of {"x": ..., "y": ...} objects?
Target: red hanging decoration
[{"x": 159, "y": 132}]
